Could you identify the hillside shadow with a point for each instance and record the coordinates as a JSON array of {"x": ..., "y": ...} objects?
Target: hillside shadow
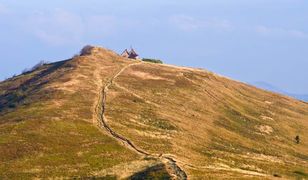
[
  {"x": 158, "y": 172},
  {"x": 17, "y": 94}
]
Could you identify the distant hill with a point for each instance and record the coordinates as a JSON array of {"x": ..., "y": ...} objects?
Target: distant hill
[
  {"x": 103, "y": 116},
  {"x": 303, "y": 97},
  {"x": 269, "y": 87}
]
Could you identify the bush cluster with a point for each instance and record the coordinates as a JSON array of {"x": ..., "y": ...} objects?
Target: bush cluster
[
  {"x": 86, "y": 50},
  {"x": 156, "y": 61}
]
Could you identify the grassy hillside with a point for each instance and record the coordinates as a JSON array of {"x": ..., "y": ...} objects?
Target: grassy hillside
[
  {"x": 46, "y": 121},
  {"x": 206, "y": 125},
  {"x": 213, "y": 125}
]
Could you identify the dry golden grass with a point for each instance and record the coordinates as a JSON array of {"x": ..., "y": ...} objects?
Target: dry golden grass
[
  {"x": 212, "y": 126},
  {"x": 50, "y": 132}
]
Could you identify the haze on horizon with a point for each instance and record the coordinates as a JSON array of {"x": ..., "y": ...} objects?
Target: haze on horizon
[{"x": 257, "y": 40}]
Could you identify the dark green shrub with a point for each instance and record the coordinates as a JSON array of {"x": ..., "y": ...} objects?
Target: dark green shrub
[
  {"x": 156, "y": 61},
  {"x": 86, "y": 50},
  {"x": 297, "y": 139},
  {"x": 12, "y": 106}
]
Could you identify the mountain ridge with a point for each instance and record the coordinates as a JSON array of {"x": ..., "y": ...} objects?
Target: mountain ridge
[{"x": 207, "y": 125}]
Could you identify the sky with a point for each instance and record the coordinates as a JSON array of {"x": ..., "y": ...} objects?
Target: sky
[{"x": 250, "y": 41}]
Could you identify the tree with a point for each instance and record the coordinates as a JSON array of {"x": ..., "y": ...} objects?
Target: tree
[{"x": 297, "y": 139}]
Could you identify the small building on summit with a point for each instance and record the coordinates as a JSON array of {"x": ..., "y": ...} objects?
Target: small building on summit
[{"x": 132, "y": 54}]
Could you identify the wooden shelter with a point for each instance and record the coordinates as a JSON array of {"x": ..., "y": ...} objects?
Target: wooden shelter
[{"x": 132, "y": 54}]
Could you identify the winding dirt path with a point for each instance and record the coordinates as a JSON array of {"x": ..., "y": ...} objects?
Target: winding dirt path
[{"x": 175, "y": 171}]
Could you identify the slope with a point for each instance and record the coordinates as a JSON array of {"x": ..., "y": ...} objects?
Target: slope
[
  {"x": 48, "y": 125},
  {"x": 100, "y": 115},
  {"x": 211, "y": 125}
]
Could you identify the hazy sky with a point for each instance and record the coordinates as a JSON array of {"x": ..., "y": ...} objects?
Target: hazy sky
[{"x": 248, "y": 40}]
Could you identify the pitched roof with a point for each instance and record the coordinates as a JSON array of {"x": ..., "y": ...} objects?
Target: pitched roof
[
  {"x": 133, "y": 52},
  {"x": 130, "y": 54},
  {"x": 125, "y": 52}
]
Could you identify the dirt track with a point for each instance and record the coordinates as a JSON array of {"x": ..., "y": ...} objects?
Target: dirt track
[{"x": 175, "y": 171}]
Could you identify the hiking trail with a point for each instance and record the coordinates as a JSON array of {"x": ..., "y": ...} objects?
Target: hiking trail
[{"x": 175, "y": 171}]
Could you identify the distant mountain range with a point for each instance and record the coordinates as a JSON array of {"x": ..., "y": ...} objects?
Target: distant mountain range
[{"x": 270, "y": 87}]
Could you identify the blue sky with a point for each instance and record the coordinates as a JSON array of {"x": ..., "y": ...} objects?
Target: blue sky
[{"x": 255, "y": 40}]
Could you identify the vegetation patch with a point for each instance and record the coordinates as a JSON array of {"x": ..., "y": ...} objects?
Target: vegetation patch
[{"x": 156, "y": 61}]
